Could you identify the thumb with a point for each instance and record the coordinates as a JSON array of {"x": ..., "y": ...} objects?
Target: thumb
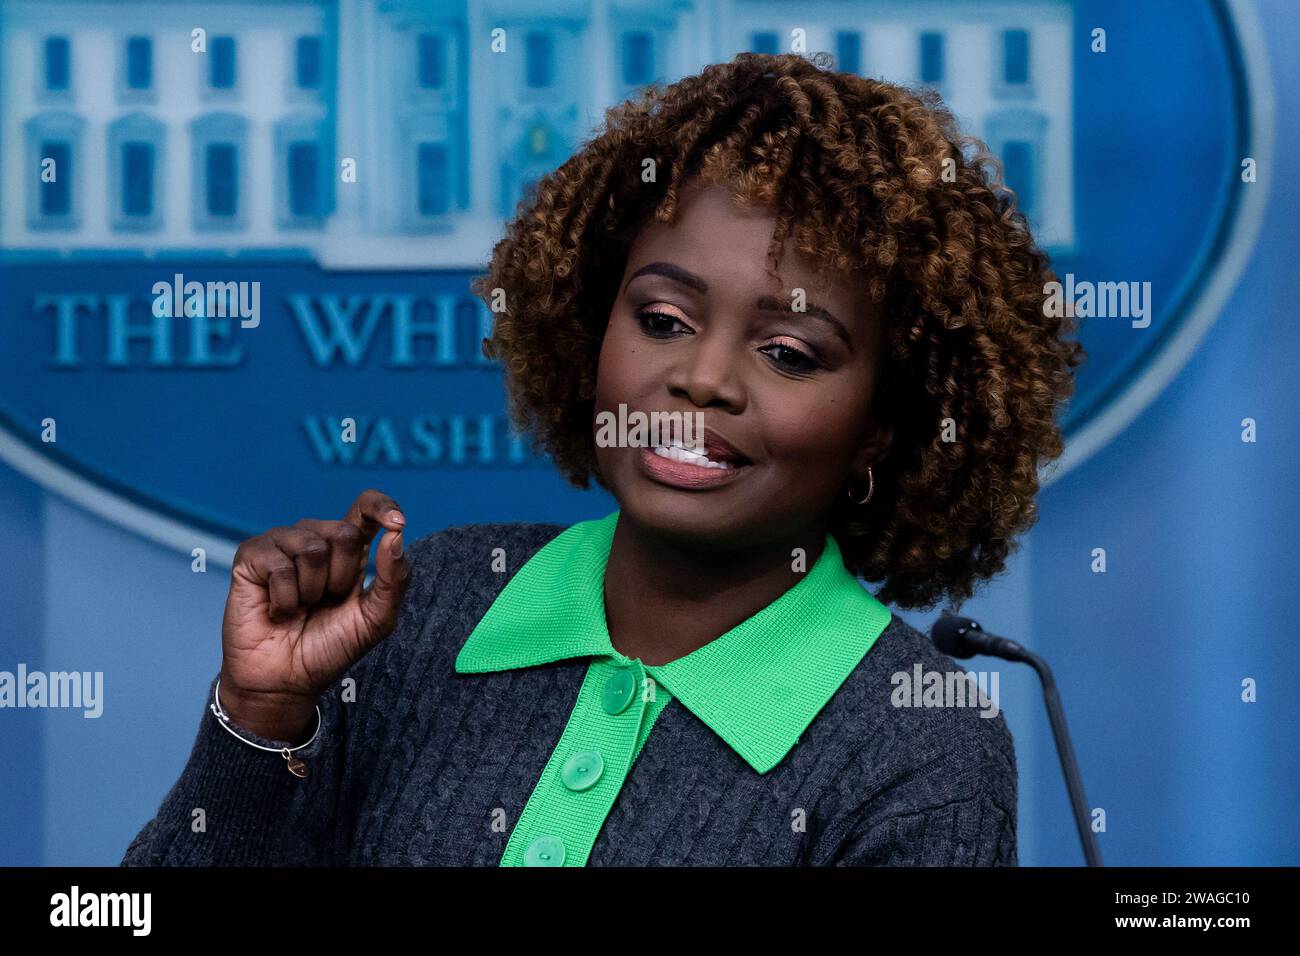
[{"x": 380, "y": 605}]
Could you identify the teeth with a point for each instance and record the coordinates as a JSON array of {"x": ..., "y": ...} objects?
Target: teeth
[{"x": 676, "y": 452}]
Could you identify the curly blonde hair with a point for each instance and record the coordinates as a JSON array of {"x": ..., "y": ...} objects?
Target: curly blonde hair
[{"x": 867, "y": 175}]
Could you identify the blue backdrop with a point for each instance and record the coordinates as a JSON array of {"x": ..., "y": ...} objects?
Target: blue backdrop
[{"x": 272, "y": 147}]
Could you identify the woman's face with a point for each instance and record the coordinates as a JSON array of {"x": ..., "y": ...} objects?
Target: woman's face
[{"x": 698, "y": 326}]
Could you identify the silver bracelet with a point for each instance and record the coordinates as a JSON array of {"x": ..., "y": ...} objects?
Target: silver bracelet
[{"x": 297, "y": 766}]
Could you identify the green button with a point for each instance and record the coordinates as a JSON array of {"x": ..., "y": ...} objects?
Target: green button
[
  {"x": 619, "y": 691},
  {"x": 582, "y": 769},
  {"x": 545, "y": 851}
]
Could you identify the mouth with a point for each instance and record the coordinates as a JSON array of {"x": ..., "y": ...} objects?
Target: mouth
[{"x": 681, "y": 468}]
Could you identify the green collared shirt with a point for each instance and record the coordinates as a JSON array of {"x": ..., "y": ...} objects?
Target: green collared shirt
[{"x": 758, "y": 686}]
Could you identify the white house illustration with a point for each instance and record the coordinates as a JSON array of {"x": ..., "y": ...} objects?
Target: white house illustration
[{"x": 398, "y": 133}]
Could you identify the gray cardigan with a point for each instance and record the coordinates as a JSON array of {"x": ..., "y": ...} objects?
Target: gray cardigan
[{"x": 429, "y": 767}]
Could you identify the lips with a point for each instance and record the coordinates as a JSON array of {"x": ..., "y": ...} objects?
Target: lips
[{"x": 688, "y": 475}]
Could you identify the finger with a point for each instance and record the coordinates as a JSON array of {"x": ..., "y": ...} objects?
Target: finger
[
  {"x": 348, "y": 553},
  {"x": 260, "y": 562},
  {"x": 380, "y": 605},
  {"x": 311, "y": 556},
  {"x": 372, "y": 511}
]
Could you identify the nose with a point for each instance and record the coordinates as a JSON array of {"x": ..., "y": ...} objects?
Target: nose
[{"x": 706, "y": 370}]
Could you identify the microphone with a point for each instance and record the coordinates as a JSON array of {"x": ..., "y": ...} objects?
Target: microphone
[{"x": 963, "y": 637}]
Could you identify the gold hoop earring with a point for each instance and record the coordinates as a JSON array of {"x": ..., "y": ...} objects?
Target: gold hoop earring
[{"x": 871, "y": 489}]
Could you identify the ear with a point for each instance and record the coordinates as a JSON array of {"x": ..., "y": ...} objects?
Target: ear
[{"x": 876, "y": 443}]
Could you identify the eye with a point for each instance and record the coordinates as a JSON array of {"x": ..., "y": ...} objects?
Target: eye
[
  {"x": 659, "y": 325},
  {"x": 795, "y": 360},
  {"x": 653, "y": 323}
]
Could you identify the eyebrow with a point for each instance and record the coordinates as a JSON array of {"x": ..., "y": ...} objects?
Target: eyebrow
[
  {"x": 672, "y": 272},
  {"x": 766, "y": 302}
]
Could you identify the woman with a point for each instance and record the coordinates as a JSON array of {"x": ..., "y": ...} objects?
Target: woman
[{"x": 808, "y": 264}]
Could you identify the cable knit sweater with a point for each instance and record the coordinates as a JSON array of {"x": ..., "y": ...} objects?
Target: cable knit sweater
[{"x": 429, "y": 767}]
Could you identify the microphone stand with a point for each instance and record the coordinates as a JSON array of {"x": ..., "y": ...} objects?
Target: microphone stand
[
  {"x": 1065, "y": 750},
  {"x": 963, "y": 637}
]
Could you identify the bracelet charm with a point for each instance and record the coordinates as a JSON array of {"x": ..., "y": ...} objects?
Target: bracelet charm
[{"x": 297, "y": 767}]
